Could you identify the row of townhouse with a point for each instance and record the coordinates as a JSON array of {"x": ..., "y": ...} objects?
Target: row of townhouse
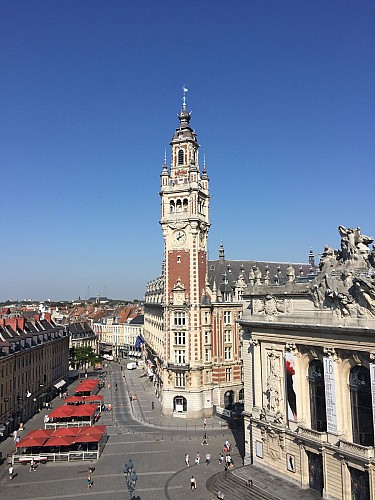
[{"x": 34, "y": 357}]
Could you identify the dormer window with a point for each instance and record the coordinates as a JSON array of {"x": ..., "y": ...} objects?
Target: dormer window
[{"x": 181, "y": 157}]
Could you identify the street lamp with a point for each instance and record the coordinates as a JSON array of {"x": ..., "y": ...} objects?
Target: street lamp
[{"x": 131, "y": 483}]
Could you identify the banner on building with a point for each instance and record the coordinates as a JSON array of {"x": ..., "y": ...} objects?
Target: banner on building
[
  {"x": 290, "y": 381},
  {"x": 372, "y": 377},
  {"x": 330, "y": 392}
]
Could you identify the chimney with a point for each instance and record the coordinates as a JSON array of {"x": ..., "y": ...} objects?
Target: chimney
[{"x": 21, "y": 323}]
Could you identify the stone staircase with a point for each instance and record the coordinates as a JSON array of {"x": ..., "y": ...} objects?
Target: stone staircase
[{"x": 234, "y": 488}]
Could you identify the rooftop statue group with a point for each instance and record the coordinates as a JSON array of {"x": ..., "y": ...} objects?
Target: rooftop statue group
[{"x": 346, "y": 283}]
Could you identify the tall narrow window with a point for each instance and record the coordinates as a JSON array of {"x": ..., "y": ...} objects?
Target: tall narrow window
[
  {"x": 317, "y": 396},
  {"x": 180, "y": 379},
  {"x": 181, "y": 157},
  {"x": 361, "y": 406},
  {"x": 179, "y": 319}
]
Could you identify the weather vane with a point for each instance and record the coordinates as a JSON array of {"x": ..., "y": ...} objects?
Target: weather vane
[{"x": 184, "y": 90}]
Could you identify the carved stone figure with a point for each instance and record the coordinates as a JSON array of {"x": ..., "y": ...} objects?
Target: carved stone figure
[
  {"x": 346, "y": 284},
  {"x": 251, "y": 277},
  {"x": 257, "y": 275},
  {"x": 273, "y": 382},
  {"x": 290, "y": 274},
  {"x": 354, "y": 245},
  {"x": 328, "y": 257}
]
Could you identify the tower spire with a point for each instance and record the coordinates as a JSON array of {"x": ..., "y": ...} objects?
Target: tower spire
[{"x": 184, "y": 92}]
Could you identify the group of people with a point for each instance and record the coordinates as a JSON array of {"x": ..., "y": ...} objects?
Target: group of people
[{"x": 229, "y": 464}]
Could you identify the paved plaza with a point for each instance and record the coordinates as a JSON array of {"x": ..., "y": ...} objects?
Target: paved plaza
[{"x": 157, "y": 446}]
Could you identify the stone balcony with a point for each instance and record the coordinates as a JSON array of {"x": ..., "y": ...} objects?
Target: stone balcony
[
  {"x": 178, "y": 366},
  {"x": 319, "y": 437},
  {"x": 365, "y": 452}
]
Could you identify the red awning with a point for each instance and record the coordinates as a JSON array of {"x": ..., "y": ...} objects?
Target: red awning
[
  {"x": 95, "y": 398},
  {"x": 72, "y": 400},
  {"x": 60, "y": 441},
  {"x": 40, "y": 433},
  {"x": 65, "y": 431},
  {"x": 31, "y": 442},
  {"x": 84, "y": 410},
  {"x": 94, "y": 429},
  {"x": 62, "y": 412},
  {"x": 88, "y": 438}
]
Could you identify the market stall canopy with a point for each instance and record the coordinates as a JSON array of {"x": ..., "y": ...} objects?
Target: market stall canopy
[
  {"x": 60, "y": 441},
  {"x": 40, "y": 433},
  {"x": 30, "y": 442},
  {"x": 95, "y": 429},
  {"x": 84, "y": 410},
  {"x": 63, "y": 411},
  {"x": 65, "y": 431}
]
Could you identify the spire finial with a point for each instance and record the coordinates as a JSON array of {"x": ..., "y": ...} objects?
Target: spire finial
[{"x": 184, "y": 91}]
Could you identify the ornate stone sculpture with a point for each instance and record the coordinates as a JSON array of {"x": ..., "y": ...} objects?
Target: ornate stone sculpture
[
  {"x": 273, "y": 382},
  {"x": 346, "y": 284},
  {"x": 290, "y": 274}
]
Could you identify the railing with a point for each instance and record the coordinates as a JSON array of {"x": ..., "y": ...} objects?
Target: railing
[
  {"x": 312, "y": 434},
  {"x": 58, "y": 425},
  {"x": 69, "y": 456},
  {"x": 356, "y": 449}
]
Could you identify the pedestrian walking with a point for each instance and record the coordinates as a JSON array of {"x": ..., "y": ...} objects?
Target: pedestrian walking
[
  {"x": 32, "y": 466},
  {"x": 116, "y": 386},
  {"x": 208, "y": 458},
  {"x": 227, "y": 445},
  {"x": 197, "y": 458},
  {"x": 221, "y": 458},
  {"x": 205, "y": 423},
  {"x": 11, "y": 472},
  {"x": 89, "y": 481},
  {"x": 187, "y": 460},
  {"x": 193, "y": 483},
  {"x": 205, "y": 439},
  {"x": 152, "y": 405}
]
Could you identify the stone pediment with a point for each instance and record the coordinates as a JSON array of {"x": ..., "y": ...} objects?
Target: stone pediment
[
  {"x": 346, "y": 283},
  {"x": 178, "y": 295}
]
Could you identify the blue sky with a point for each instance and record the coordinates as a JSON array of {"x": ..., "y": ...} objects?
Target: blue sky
[{"x": 282, "y": 98}]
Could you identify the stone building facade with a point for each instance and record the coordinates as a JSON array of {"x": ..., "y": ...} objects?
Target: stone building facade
[
  {"x": 309, "y": 374},
  {"x": 34, "y": 360}
]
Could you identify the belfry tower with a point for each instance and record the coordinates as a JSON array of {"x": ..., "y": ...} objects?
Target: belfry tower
[{"x": 185, "y": 223}]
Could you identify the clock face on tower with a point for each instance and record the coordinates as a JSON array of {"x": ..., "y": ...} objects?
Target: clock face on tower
[{"x": 179, "y": 237}]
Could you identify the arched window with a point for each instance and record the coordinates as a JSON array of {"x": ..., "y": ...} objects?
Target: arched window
[
  {"x": 178, "y": 206},
  {"x": 317, "y": 396},
  {"x": 181, "y": 157},
  {"x": 241, "y": 395},
  {"x": 179, "y": 404},
  {"x": 361, "y": 406},
  {"x": 185, "y": 204},
  {"x": 171, "y": 207},
  {"x": 228, "y": 400}
]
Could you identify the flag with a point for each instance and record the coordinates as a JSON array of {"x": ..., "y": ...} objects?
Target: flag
[{"x": 138, "y": 342}]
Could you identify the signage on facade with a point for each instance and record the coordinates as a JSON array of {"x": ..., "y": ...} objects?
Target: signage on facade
[
  {"x": 372, "y": 377},
  {"x": 330, "y": 392}
]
